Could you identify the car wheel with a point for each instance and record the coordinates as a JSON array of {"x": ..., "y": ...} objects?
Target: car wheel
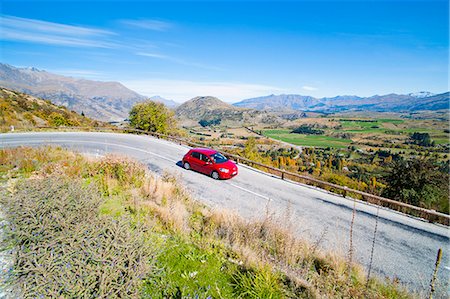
[
  {"x": 215, "y": 175},
  {"x": 187, "y": 166}
]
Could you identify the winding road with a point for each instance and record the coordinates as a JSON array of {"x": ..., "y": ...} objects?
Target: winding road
[{"x": 405, "y": 247}]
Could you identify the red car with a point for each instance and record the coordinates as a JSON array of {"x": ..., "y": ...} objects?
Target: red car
[{"x": 210, "y": 162}]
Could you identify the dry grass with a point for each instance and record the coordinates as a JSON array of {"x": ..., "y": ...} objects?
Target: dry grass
[{"x": 269, "y": 243}]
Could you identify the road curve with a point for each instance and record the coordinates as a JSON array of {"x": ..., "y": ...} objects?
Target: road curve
[{"x": 405, "y": 247}]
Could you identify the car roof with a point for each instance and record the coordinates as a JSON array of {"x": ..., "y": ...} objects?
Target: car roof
[{"x": 205, "y": 151}]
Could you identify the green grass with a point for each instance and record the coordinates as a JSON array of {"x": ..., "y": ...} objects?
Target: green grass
[
  {"x": 113, "y": 205},
  {"x": 307, "y": 140},
  {"x": 358, "y": 124},
  {"x": 440, "y": 140},
  {"x": 375, "y": 126},
  {"x": 389, "y": 120},
  {"x": 187, "y": 271}
]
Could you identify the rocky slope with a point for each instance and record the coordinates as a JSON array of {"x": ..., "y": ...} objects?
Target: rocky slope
[{"x": 24, "y": 111}]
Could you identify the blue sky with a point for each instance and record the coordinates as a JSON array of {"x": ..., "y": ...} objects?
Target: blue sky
[{"x": 233, "y": 49}]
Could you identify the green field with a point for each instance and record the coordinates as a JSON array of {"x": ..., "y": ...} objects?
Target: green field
[
  {"x": 439, "y": 140},
  {"x": 376, "y": 126},
  {"x": 307, "y": 140},
  {"x": 368, "y": 126}
]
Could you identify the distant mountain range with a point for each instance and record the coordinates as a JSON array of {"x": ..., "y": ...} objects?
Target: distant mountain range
[
  {"x": 385, "y": 103},
  {"x": 112, "y": 101},
  {"x": 100, "y": 100},
  {"x": 106, "y": 101}
]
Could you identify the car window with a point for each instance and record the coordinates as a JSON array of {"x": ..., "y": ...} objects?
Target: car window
[
  {"x": 204, "y": 158},
  {"x": 219, "y": 158},
  {"x": 195, "y": 155}
]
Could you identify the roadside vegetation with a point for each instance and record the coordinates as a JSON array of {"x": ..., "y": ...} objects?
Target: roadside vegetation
[
  {"x": 24, "y": 112},
  {"x": 107, "y": 227}
]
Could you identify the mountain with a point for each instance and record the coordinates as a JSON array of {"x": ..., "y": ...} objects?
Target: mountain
[
  {"x": 378, "y": 103},
  {"x": 278, "y": 102},
  {"x": 107, "y": 101},
  {"x": 168, "y": 103},
  {"x": 24, "y": 111},
  {"x": 211, "y": 109}
]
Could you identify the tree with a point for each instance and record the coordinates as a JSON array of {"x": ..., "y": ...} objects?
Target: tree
[
  {"x": 305, "y": 129},
  {"x": 251, "y": 150},
  {"x": 153, "y": 117},
  {"x": 206, "y": 123},
  {"x": 418, "y": 182},
  {"x": 388, "y": 160},
  {"x": 422, "y": 139}
]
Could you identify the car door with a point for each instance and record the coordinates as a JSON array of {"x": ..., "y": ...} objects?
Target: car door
[
  {"x": 206, "y": 164},
  {"x": 195, "y": 161}
]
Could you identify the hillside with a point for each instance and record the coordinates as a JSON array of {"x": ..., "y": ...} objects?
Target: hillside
[
  {"x": 106, "y": 101},
  {"x": 384, "y": 103},
  {"x": 24, "y": 111},
  {"x": 212, "y": 109}
]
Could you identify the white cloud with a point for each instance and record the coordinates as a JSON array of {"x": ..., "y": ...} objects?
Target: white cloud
[
  {"x": 181, "y": 91},
  {"x": 179, "y": 61},
  {"x": 155, "y": 25},
  {"x": 309, "y": 88},
  {"x": 37, "y": 31},
  {"x": 78, "y": 73},
  {"x": 153, "y": 55}
]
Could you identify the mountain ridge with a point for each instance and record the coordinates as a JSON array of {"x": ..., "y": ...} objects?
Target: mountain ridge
[{"x": 377, "y": 103}]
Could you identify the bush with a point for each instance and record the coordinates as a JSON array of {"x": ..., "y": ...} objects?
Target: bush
[
  {"x": 65, "y": 249},
  {"x": 56, "y": 119}
]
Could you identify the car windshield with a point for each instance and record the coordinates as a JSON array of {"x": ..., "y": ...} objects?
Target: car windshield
[{"x": 218, "y": 158}]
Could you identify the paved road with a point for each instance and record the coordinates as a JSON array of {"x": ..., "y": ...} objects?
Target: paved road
[{"x": 406, "y": 247}]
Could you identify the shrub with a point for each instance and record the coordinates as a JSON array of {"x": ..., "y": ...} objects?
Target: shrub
[{"x": 65, "y": 249}]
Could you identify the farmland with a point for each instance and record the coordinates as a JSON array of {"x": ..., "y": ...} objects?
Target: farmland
[
  {"x": 362, "y": 132},
  {"x": 360, "y": 153},
  {"x": 307, "y": 140}
]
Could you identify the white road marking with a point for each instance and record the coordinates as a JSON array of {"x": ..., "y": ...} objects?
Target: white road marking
[
  {"x": 99, "y": 142},
  {"x": 251, "y": 192}
]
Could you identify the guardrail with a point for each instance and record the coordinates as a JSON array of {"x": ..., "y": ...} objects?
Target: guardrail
[{"x": 430, "y": 215}]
